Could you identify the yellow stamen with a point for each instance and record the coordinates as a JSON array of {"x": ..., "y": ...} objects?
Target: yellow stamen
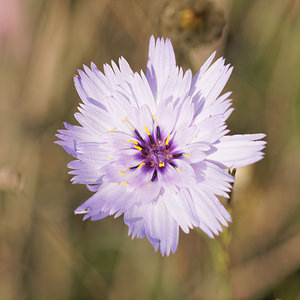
[
  {"x": 112, "y": 130},
  {"x": 187, "y": 154},
  {"x": 140, "y": 165},
  {"x": 153, "y": 116},
  {"x": 178, "y": 170},
  {"x": 125, "y": 182},
  {"x": 162, "y": 164},
  {"x": 123, "y": 172},
  {"x": 75, "y": 75},
  {"x": 131, "y": 141},
  {"x": 126, "y": 121},
  {"x": 147, "y": 130},
  {"x": 92, "y": 159},
  {"x": 167, "y": 140},
  {"x": 137, "y": 147}
]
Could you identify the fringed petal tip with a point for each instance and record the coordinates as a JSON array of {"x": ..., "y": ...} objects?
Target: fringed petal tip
[{"x": 80, "y": 211}]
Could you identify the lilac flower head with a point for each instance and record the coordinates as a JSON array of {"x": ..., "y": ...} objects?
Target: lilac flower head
[{"x": 154, "y": 147}]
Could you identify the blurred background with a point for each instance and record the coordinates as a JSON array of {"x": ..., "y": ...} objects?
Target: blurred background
[{"x": 48, "y": 253}]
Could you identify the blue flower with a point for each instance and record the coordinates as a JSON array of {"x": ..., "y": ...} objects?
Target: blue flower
[{"x": 154, "y": 147}]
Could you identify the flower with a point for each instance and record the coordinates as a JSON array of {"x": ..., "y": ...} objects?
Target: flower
[{"x": 154, "y": 147}]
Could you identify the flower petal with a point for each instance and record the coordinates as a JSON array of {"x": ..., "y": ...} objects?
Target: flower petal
[
  {"x": 209, "y": 217},
  {"x": 110, "y": 198},
  {"x": 211, "y": 178},
  {"x": 161, "y": 64},
  {"x": 211, "y": 83},
  {"x": 161, "y": 229},
  {"x": 178, "y": 209},
  {"x": 238, "y": 150},
  {"x": 134, "y": 219}
]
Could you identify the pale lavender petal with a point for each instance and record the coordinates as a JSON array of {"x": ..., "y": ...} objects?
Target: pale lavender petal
[
  {"x": 178, "y": 209},
  {"x": 238, "y": 150},
  {"x": 211, "y": 178},
  {"x": 161, "y": 64},
  {"x": 110, "y": 199},
  {"x": 161, "y": 229},
  {"x": 208, "y": 219},
  {"x": 134, "y": 219}
]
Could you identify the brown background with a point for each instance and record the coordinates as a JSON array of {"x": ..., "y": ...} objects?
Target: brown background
[{"x": 48, "y": 253}]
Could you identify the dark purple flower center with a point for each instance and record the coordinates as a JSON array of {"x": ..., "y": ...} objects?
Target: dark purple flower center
[{"x": 155, "y": 152}]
